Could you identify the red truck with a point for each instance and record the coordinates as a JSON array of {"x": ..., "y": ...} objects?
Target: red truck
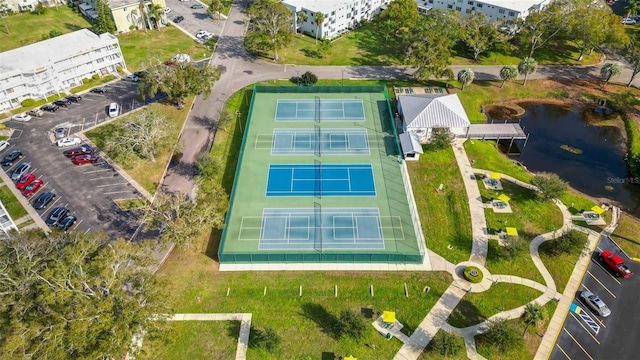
[{"x": 616, "y": 264}]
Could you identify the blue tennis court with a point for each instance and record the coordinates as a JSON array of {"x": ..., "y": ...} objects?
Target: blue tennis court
[
  {"x": 317, "y": 141},
  {"x": 320, "y": 180},
  {"x": 327, "y": 228},
  {"x": 320, "y": 110}
]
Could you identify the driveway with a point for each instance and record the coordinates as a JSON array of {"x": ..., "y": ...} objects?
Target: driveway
[{"x": 194, "y": 19}]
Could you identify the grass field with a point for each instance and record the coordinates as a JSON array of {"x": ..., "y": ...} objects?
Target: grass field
[
  {"x": 626, "y": 235},
  {"x": 148, "y": 174},
  {"x": 485, "y": 155},
  {"x": 560, "y": 266},
  {"x": 28, "y": 28},
  {"x": 141, "y": 48},
  {"x": 13, "y": 206},
  {"x": 305, "y": 323}
]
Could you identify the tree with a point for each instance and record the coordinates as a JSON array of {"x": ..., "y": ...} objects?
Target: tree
[
  {"x": 181, "y": 219},
  {"x": 447, "y": 344},
  {"x": 4, "y": 11},
  {"x": 324, "y": 48},
  {"x": 319, "y": 18},
  {"x": 301, "y": 17},
  {"x": 594, "y": 28},
  {"x": 144, "y": 135},
  {"x": 540, "y": 27},
  {"x": 569, "y": 242},
  {"x": 215, "y": 9},
  {"x": 351, "y": 324},
  {"x": 631, "y": 9},
  {"x": 308, "y": 78},
  {"x": 447, "y": 74},
  {"x": 144, "y": 16},
  {"x": 440, "y": 138},
  {"x": 465, "y": 77},
  {"x": 526, "y": 67},
  {"x": 104, "y": 22},
  {"x": 513, "y": 246},
  {"x": 550, "y": 185},
  {"x": 178, "y": 81},
  {"x": 399, "y": 17},
  {"x": 609, "y": 70},
  {"x": 271, "y": 25},
  {"x": 532, "y": 314},
  {"x": 76, "y": 296},
  {"x": 224, "y": 118},
  {"x": 503, "y": 335},
  {"x": 478, "y": 34},
  {"x": 156, "y": 12},
  {"x": 631, "y": 53},
  {"x": 508, "y": 73},
  {"x": 208, "y": 166}
]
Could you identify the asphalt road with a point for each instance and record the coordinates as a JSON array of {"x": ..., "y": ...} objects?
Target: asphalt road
[
  {"x": 618, "y": 335},
  {"x": 87, "y": 190},
  {"x": 194, "y": 19}
]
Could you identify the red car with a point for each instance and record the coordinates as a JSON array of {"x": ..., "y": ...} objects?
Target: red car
[
  {"x": 82, "y": 150},
  {"x": 25, "y": 180},
  {"x": 615, "y": 263},
  {"x": 83, "y": 159},
  {"x": 33, "y": 187}
]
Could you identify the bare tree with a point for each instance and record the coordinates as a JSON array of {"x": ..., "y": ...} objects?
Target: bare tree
[{"x": 142, "y": 136}]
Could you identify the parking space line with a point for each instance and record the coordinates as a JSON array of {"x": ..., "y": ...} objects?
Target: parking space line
[
  {"x": 78, "y": 224},
  {"x": 606, "y": 270},
  {"x": 116, "y": 192},
  {"x": 562, "y": 350},
  {"x": 56, "y": 200},
  {"x": 585, "y": 329},
  {"x": 577, "y": 343},
  {"x": 123, "y": 183},
  {"x": 95, "y": 171},
  {"x": 89, "y": 229},
  {"x": 591, "y": 311},
  {"x": 601, "y": 284}
]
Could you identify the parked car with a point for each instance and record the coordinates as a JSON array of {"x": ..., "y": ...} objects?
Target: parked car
[
  {"x": 74, "y": 98},
  {"x": 25, "y": 180},
  {"x": 50, "y": 107},
  {"x": 56, "y": 215},
  {"x": 628, "y": 21},
  {"x": 67, "y": 222},
  {"x": 60, "y": 132},
  {"x": 4, "y": 144},
  {"x": 69, "y": 141},
  {"x": 62, "y": 102},
  {"x": 21, "y": 117},
  {"x": 141, "y": 74},
  {"x": 615, "y": 263},
  {"x": 167, "y": 10},
  {"x": 99, "y": 90},
  {"x": 20, "y": 171},
  {"x": 43, "y": 200},
  {"x": 82, "y": 150},
  {"x": 133, "y": 78},
  {"x": 114, "y": 110},
  {"x": 179, "y": 18},
  {"x": 200, "y": 34},
  {"x": 197, "y": 6},
  {"x": 11, "y": 157},
  {"x": 85, "y": 159},
  {"x": 35, "y": 112},
  {"x": 33, "y": 187},
  {"x": 595, "y": 303}
]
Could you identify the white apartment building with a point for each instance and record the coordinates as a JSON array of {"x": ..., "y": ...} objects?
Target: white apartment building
[
  {"x": 30, "y": 5},
  {"x": 340, "y": 16},
  {"x": 55, "y": 65},
  {"x": 505, "y": 10}
]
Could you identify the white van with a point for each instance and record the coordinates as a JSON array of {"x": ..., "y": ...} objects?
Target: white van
[{"x": 114, "y": 110}]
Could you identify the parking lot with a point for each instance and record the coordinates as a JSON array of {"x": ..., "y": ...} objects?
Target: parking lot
[
  {"x": 88, "y": 190},
  {"x": 194, "y": 19},
  {"x": 591, "y": 336}
]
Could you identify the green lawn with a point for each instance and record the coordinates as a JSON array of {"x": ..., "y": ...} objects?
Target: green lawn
[
  {"x": 478, "y": 307},
  {"x": 148, "y": 174},
  {"x": 431, "y": 354},
  {"x": 626, "y": 235},
  {"x": 193, "y": 339},
  {"x": 13, "y": 206},
  {"x": 28, "y": 28},
  {"x": 141, "y": 48},
  {"x": 560, "y": 266},
  {"x": 485, "y": 155},
  {"x": 304, "y": 323},
  {"x": 445, "y": 217}
]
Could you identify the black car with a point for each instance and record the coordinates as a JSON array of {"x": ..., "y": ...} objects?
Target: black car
[
  {"x": 50, "y": 107},
  {"x": 67, "y": 222},
  {"x": 141, "y": 74},
  {"x": 43, "y": 200},
  {"x": 74, "y": 98},
  {"x": 62, "y": 102},
  {"x": 11, "y": 157},
  {"x": 99, "y": 90},
  {"x": 82, "y": 150},
  {"x": 178, "y": 19},
  {"x": 56, "y": 215}
]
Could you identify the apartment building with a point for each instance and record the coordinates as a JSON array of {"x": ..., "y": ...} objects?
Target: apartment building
[
  {"x": 495, "y": 10},
  {"x": 56, "y": 65},
  {"x": 340, "y": 16},
  {"x": 30, "y": 5},
  {"x": 127, "y": 15}
]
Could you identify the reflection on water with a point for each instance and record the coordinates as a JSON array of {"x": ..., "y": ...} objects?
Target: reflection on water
[{"x": 599, "y": 170}]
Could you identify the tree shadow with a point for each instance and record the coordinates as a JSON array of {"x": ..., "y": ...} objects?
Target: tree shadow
[
  {"x": 73, "y": 27},
  {"x": 466, "y": 314},
  {"x": 324, "y": 319},
  {"x": 311, "y": 53}
]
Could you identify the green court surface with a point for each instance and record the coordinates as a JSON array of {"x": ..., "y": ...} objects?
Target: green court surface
[{"x": 303, "y": 187}]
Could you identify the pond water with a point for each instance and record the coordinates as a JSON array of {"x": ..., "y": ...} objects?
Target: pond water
[{"x": 590, "y": 158}]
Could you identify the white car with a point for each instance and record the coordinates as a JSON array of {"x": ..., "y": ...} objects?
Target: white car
[
  {"x": 3, "y": 144},
  {"x": 628, "y": 21},
  {"x": 133, "y": 78},
  {"x": 21, "y": 117},
  {"x": 69, "y": 141},
  {"x": 167, "y": 10},
  {"x": 202, "y": 34},
  {"x": 114, "y": 110},
  {"x": 184, "y": 0}
]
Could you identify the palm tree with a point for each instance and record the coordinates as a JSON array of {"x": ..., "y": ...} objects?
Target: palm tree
[
  {"x": 301, "y": 17},
  {"x": 532, "y": 315},
  {"x": 631, "y": 8},
  {"x": 610, "y": 70},
  {"x": 215, "y": 8},
  {"x": 319, "y": 18},
  {"x": 448, "y": 74},
  {"x": 144, "y": 16},
  {"x": 465, "y": 77},
  {"x": 526, "y": 67},
  {"x": 508, "y": 73},
  {"x": 156, "y": 12}
]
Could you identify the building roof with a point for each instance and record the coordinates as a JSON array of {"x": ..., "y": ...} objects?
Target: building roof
[
  {"x": 324, "y": 6},
  {"x": 49, "y": 51},
  {"x": 516, "y": 5},
  {"x": 410, "y": 143},
  {"x": 426, "y": 111}
]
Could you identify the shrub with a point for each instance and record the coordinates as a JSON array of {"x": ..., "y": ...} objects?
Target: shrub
[
  {"x": 28, "y": 102},
  {"x": 85, "y": 80},
  {"x": 308, "y": 78},
  {"x": 441, "y": 138},
  {"x": 351, "y": 324},
  {"x": 550, "y": 185},
  {"x": 95, "y": 76},
  {"x": 3, "y": 126},
  {"x": 119, "y": 68},
  {"x": 503, "y": 335},
  {"x": 473, "y": 274},
  {"x": 447, "y": 344},
  {"x": 570, "y": 242}
]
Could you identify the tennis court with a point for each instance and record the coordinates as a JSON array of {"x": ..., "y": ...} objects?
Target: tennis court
[
  {"x": 315, "y": 141},
  {"x": 318, "y": 109},
  {"x": 321, "y": 180}
]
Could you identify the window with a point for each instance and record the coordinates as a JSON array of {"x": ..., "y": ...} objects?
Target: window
[
  {"x": 449, "y": 7},
  {"x": 511, "y": 13},
  {"x": 468, "y": 11},
  {"x": 479, "y": 5},
  {"x": 430, "y": 1},
  {"x": 501, "y": 11},
  {"x": 9, "y": 91},
  {"x": 458, "y": 8},
  {"x": 470, "y": 3}
]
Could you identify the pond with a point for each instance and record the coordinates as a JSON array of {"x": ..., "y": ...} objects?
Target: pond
[{"x": 565, "y": 141}]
